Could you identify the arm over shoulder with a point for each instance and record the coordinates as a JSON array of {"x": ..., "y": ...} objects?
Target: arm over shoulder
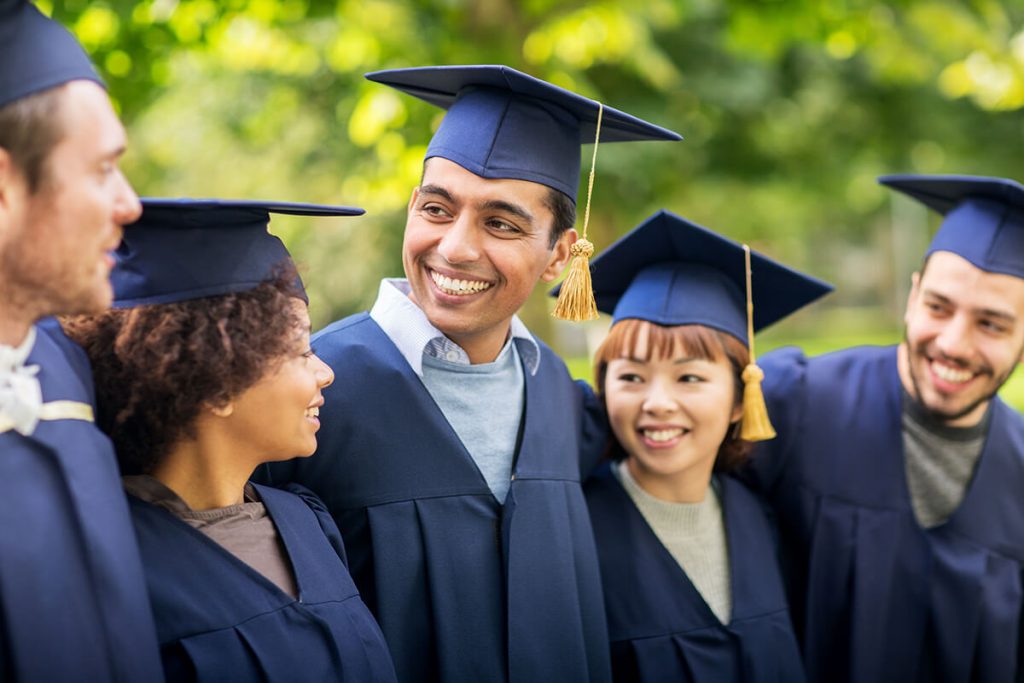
[{"x": 784, "y": 388}]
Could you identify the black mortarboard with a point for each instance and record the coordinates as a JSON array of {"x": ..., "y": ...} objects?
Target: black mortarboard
[
  {"x": 670, "y": 271},
  {"x": 37, "y": 53},
  {"x": 984, "y": 217},
  {"x": 183, "y": 249},
  {"x": 502, "y": 123}
]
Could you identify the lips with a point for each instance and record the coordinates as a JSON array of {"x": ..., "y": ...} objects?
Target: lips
[
  {"x": 454, "y": 286},
  {"x": 661, "y": 436},
  {"x": 949, "y": 374}
]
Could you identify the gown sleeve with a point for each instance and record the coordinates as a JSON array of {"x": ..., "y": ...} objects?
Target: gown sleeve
[
  {"x": 784, "y": 385},
  {"x": 594, "y": 430}
]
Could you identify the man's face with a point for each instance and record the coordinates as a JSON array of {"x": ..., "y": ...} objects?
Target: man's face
[
  {"x": 56, "y": 243},
  {"x": 474, "y": 249},
  {"x": 964, "y": 336}
]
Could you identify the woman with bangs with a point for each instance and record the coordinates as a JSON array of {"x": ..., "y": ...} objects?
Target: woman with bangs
[
  {"x": 688, "y": 560},
  {"x": 203, "y": 373}
]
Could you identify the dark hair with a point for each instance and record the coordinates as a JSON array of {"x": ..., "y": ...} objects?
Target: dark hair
[
  {"x": 30, "y": 127},
  {"x": 157, "y": 366},
  {"x": 664, "y": 342},
  {"x": 564, "y": 210}
]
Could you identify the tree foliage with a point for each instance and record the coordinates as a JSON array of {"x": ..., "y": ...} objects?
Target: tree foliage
[{"x": 790, "y": 109}]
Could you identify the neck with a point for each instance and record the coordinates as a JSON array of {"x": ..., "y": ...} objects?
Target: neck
[
  {"x": 688, "y": 486},
  {"x": 206, "y": 471},
  {"x": 483, "y": 347},
  {"x": 16, "y": 317}
]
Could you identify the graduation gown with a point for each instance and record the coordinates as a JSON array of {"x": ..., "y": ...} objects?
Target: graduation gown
[
  {"x": 464, "y": 589},
  {"x": 218, "y": 619},
  {"x": 875, "y": 597},
  {"x": 660, "y": 627},
  {"x": 72, "y": 597}
]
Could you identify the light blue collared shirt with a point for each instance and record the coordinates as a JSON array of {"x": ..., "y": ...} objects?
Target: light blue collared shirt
[{"x": 406, "y": 325}]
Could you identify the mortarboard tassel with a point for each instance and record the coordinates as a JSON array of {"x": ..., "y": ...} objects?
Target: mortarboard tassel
[
  {"x": 755, "y": 425},
  {"x": 576, "y": 297}
]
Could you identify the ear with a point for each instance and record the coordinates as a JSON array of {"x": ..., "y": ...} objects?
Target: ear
[
  {"x": 915, "y": 284},
  {"x": 222, "y": 410},
  {"x": 412, "y": 199},
  {"x": 8, "y": 177},
  {"x": 737, "y": 411},
  {"x": 560, "y": 255}
]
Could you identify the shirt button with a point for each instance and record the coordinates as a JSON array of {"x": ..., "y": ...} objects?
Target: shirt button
[{"x": 453, "y": 356}]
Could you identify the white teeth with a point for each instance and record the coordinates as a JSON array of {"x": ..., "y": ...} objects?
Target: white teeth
[
  {"x": 949, "y": 374},
  {"x": 662, "y": 434},
  {"x": 458, "y": 287},
  {"x": 313, "y": 412}
]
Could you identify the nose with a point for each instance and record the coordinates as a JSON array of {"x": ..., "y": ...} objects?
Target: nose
[
  {"x": 324, "y": 374},
  {"x": 659, "y": 399},
  {"x": 460, "y": 243},
  {"x": 954, "y": 339},
  {"x": 127, "y": 207}
]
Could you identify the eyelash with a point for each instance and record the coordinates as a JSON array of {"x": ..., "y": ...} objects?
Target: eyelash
[{"x": 504, "y": 226}]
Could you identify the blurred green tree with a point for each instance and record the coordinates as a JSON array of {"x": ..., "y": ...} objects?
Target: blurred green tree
[{"x": 790, "y": 109}]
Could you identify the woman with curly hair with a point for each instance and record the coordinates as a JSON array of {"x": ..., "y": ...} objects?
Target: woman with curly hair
[
  {"x": 691, "y": 580},
  {"x": 204, "y": 372}
]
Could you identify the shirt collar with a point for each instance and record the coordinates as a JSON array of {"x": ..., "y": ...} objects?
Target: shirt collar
[
  {"x": 407, "y": 326},
  {"x": 12, "y": 357}
]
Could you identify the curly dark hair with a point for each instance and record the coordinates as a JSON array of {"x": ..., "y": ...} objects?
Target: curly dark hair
[
  {"x": 663, "y": 342},
  {"x": 157, "y": 366}
]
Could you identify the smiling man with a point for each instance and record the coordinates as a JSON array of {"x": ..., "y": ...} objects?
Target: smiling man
[
  {"x": 898, "y": 474},
  {"x": 449, "y": 449},
  {"x": 73, "y": 603}
]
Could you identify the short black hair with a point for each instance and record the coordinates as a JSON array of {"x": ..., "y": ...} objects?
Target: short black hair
[
  {"x": 564, "y": 211},
  {"x": 30, "y": 127}
]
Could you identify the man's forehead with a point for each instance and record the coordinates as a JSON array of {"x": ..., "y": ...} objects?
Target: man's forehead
[
  {"x": 466, "y": 186},
  {"x": 90, "y": 119},
  {"x": 952, "y": 277}
]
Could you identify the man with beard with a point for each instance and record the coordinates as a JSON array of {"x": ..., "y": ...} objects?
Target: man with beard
[
  {"x": 73, "y": 602},
  {"x": 449, "y": 454},
  {"x": 898, "y": 474}
]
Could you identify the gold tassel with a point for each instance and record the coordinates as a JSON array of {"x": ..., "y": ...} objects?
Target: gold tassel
[
  {"x": 576, "y": 297},
  {"x": 755, "y": 426}
]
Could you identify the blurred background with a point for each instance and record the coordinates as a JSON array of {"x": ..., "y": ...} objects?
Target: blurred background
[{"x": 789, "y": 109}]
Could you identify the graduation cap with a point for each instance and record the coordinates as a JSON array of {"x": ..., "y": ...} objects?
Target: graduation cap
[
  {"x": 37, "y": 53},
  {"x": 502, "y": 123},
  {"x": 984, "y": 217},
  {"x": 670, "y": 271},
  {"x": 182, "y": 249}
]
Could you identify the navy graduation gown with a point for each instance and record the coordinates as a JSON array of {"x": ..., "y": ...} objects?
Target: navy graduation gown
[
  {"x": 875, "y": 597},
  {"x": 464, "y": 589},
  {"x": 72, "y": 597},
  {"x": 218, "y": 619},
  {"x": 659, "y": 625}
]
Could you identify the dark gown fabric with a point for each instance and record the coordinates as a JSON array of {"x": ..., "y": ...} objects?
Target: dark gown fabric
[
  {"x": 464, "y": 589},
  {"x": 220, "y": 620},
  {"x": 660, "y": 627},
  {"x": 875, "y": 597},
  {"x": 72, "y": 597}
]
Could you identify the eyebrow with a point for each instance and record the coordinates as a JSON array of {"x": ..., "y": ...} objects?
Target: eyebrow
[
  {"x": 990, "y": 312},
  {"x": 438, "y": 191},
  {"x": 677, "y": 361},
  {"x": 508, "y": 207},
  {"x": 112, "y": 153}
]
